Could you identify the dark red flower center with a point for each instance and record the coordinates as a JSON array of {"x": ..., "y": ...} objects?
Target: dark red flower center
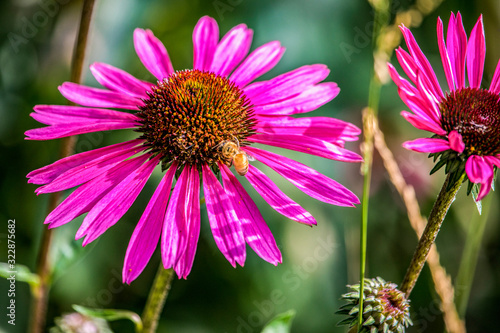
[
  {"x": 189, "y": 114},
  {"x": 475, "y": 114}
]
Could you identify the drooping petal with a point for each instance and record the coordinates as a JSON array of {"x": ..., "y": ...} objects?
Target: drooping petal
[
  {"x": 116, "y": 202},
  {"x": 309, "y": 100},
  {"x": 226, "y": 228},
  {"x": 87, "y": 171},
  {"x": 231, "y": 50},
  {"x": 480, "y": 170},
  {"x": 257, "y": 233},
  {"x": 148, "y": 230},
  {"x": 286, "y": 85},
  {"x": 323, "y": 128},
  {"x": 427, "y": 145},
  {"x": 205, "y": 38},
  {"x": 276, "y": 198},
  {"x": 175, "y": 226},
  {"x": 456, "y": 141},
  {"x": 260, "y": 61},
  {"x": 185, "y": 262},
  {"x": 445, "y": 58},
  {"x": 306, "y": 179},
  {"x": 306, "y": 145},
  {"x": 50, "y": 172},
  {"x": 118, "y": 80},
  {"x": 152, "y": 53},
  {"x": 476, "y": 52},
  {"x": 95, "y": 97},
  {"x": 86, "y": 196}
]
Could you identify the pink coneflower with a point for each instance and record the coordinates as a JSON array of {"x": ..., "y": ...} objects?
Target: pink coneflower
[
  {"x": 195, "y": 124},
  {"x": 465, "y": 120}
]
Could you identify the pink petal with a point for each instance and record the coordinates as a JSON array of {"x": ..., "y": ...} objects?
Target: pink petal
[
  {"x": 423, "y": 64},
  {"x": 152, "y": 53},
  {"x": 423, "y": 123},
  {"x": 286, "y": 85},
  {"x": 495, "y": 81},
  {"x": 480, "y": 170},
  {"x": 174, "y": 234},
  {"x": 257, "y": 233},
  {"x": 101, "y": 98},
  {"x": 86, "y": 196},
  {"x": 87, "y": 126},
  {"x": 309, "y": 100},
  {"x": 63, "y": 114},
  {"x": 456, "y": 141},
  {"x": 257, "y": 63},
  {"x": 420, "y": 108},
  {"x": 116, "y": 202},
  {"x": 276, "y": 198},
  {"x": 476, "y": 52},
  {"x": 431, "y": 104},
  {"x": 87, "y": 171},
  {"x": 226, "y": 227},
  {"x": 231, "y": 50},
  {"x": 147, "y": 232},
  {"x": 407, "y": 63},
  {"x": 50, "y": 172},
  {"x": 306, "y": 145},
  {"x": 118, "y": 80},
  {"x": 448, "y": 70},
  {"x": 185, "y": 262},
  {"x": 323, "y": 128},
  {"x": 456, "y": 43},
  {"x": 205, "y": 38},
  {"x": 306, "y": 179},
  {"x": 181, "y": 228},
  {"x": 427, "y": 145}
]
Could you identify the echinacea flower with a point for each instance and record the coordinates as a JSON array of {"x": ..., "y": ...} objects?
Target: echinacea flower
[
  {"x": 466, "y": 119},
  {"x": 195, "y": 124},
  {"x": 385, "y": 308}
]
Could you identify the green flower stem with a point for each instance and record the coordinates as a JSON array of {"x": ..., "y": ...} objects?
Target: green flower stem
[
  {"x": 443, "y": 202},
  {"x": 468, "y": 262},
  {"x": 156, "y": 299},
  {"x": 44, "y": 266},
  {"x": 369, "y": 114}
]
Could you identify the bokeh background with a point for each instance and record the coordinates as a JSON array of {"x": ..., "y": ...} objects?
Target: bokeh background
[{"x": 35, "y": 57}]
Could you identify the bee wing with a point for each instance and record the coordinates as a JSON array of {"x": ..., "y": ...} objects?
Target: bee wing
[{"x": 250, "y": 158}]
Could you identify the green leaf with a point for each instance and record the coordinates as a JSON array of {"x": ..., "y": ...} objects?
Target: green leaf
[
  {"x": 282, "y": 323},
  {"x": 475, "y": 193},
  {"x": 20, "y": 272},
  {"x": 111, "y": 315}
]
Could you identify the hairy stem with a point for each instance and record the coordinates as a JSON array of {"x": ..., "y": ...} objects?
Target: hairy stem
[
  {"x": 436, "y": 218},
  {"x": 156, "y": 299},
  {"x": 44, "y": 265}
]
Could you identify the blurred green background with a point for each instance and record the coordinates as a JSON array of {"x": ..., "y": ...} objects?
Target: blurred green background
[{"x": 317, "y": 262}]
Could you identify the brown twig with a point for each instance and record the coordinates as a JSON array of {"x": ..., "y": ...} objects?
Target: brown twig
[
  {"x": 442, "y": 281},
  {"x": 44, "y": 266}
]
